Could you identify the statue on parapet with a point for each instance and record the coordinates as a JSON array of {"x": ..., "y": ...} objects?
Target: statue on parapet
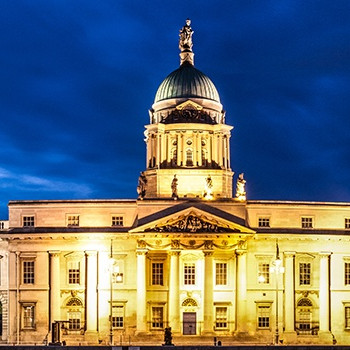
[
  {"x": 208, "y": 190},
  {"x": 240, "y": 188},
  {"x": 186, "y": 32},
  {"x": 142, "y": 186},
  {"x": 174, "y": 188}
]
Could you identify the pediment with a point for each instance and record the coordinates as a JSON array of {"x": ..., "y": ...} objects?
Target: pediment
[
  {"x": 189, "y": 104},
  {"x": 193, "y": 220}
]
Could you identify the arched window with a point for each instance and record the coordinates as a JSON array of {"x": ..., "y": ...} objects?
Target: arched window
[
  {"x": 189, "y": 157},
  {"x": 304, "y": 318}
]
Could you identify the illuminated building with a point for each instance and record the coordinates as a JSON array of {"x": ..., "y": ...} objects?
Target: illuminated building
[{"x": 188, "y": 253}]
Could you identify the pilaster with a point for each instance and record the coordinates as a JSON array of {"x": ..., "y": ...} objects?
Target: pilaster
[
  {"x": 208, "y": 293},
  {"x": 141, "y": 315}
]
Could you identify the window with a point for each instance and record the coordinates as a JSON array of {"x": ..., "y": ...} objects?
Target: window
[
  {"x": 221, "y": 274},
  {"x": 118, "y": 316},
  {"x": 347, "y": 273},
  {"x": 157, "y": 274},
  {"x": 74, "y": 272},
  {"x": 189, "y": 157},
  {"x": 157, "y": 317},
  {"x": 263, "y": 316},
  {"x": 264, "y": 222},
  {"x": 304, "y": 273},
  {"x": 117, "y": 221},
  {"x": 306, "y": 222},
  {"x": 73, "y": 220},
  {"x": 264, "y": 272},
  {"x": 28, "y": 272},
  {"x": 347, "y": 223},
  {"x": 28, "y": 315},
  {"x": 28, "y": 221},
  {"x": 347, "y": 317},
  {"x": 190, "y": 274},
  {"x": 74, "y": 318},
  {"x": 221, "y": 317}
]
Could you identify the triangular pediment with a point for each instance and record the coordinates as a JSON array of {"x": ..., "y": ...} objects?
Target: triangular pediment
[
  {"x": 193, "y": 220},
  {"x": 189, "y": 104}
]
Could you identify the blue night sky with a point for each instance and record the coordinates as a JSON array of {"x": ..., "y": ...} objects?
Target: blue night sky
[{"x": 78, "y": 78}]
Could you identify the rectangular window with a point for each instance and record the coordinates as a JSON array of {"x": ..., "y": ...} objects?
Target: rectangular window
[
  {"x": 221, "y": 317},
  {"x": 73, "y": 220},
  {"x": 264, "y": 273},
  {"x": 118, "y": 316},
  {"x": 347, "y": 273},
  {"x": 263, "y": 316},
  {"x": 306, "y": 222},
  {"x": 190, "y": 273},
  {"x": 347, "y": 223},
  {"x": 157, "y": 274},
  {"x": 347, "y": 317},
  {"x": 28, "y": 221},
  {"x": 264, "y": 222},
  {"x": 74, "y": 319},
  {"x": 305, "y": 273},
  {"x": 74, "y": 272},
  {"x": 221, "y": 274},
  {"x": 28, "y": 272},
  {"x": 117, "y": 221},
  {"x": 28, "y": 314},
  {"x": 157, "y": 317}
]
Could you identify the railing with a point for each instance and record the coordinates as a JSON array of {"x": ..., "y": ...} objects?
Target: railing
[{"x": 307, "y": 328}]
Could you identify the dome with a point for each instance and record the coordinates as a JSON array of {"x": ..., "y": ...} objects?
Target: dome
[{"x": 187, "y": 82}]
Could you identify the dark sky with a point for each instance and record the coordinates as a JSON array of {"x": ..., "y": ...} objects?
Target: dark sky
[{"x": 78, "y": 78}]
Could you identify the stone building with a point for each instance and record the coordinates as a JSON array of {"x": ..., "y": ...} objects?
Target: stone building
[{"x": 187, "y": 254}]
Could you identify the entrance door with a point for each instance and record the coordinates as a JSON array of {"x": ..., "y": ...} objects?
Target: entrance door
[{"x": 189, "y": 323}]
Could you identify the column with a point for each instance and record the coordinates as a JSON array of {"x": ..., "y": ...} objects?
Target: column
[
  {"x": 289, "y": 292},
  {"x": 141, "y": 317},
  {"x": 149, "y": 145},
  {"x": 169, "y": 146},
  {"x": 158, "y": 151},
  {"x": 195, "y": 148},
  {"x": 199, "y": 149},
  {"x": 179, "y": 149},
  {"x": 324, "y": 291},
  {"x": 174, "y": 292},
  {"x": 208, "y": 293},
  {"x": 228, "y": 152},
  {"x": 209, "y": 147},
  {"x": 220, "y": 143},
  {"x": 183, "y": 137},
  {"x": 215, "y": 148},
  {"x": 241, "y": 290},
  {"x": 55, "y": 288},
  {"x": 91, "y": 291}
]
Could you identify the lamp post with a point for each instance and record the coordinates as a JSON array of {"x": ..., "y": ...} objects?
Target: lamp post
[{"x": 277, "y": 269}]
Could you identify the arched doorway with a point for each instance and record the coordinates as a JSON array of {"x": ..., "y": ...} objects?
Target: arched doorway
[{"x": 189, "y": 316}]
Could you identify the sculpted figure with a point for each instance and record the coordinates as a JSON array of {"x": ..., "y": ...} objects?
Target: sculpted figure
[
  {"x": 142, "y": 186},
  {"x": 208, "y": 192},
  {"x": 186, "y": 32},
  {"x": 174, "y": 187},
  {"x": 240, "y": 188}
]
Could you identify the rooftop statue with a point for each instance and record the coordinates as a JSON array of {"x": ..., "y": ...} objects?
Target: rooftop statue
[
  {"x": 186, "y": 32},
  {"x": 240, "y": 188}
]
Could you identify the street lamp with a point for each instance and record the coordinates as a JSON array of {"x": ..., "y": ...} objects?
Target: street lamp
[{"x": 277, "y": 269}]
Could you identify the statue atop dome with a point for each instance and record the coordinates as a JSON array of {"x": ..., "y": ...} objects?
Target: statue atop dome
[
  {"x": 185, "y": 43},
  {"x": 186, "y": 32}
]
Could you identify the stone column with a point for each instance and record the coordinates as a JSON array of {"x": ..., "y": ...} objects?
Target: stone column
[
  {"x": 174, "y": 292},
  {"x": 289, "y": 292},
  {"x": 184, "y": 155},
  {"x": 141, "y": 317},
  {"x": 215, "y": 142},
  {"x": 228, "y": 152},
  {"x": 179, "y": 149},
  {"x": 241, "y": 290},
  {"x": 149, "y": 146},
  {"x": 91, "y": 290},
  {"x": 55, "y": 286},
  {"x": 221, "y": 146},
  {"x": 209, "y": 140},
  {"x": 208, "y": 293},
  {"x": 324, "y": 291},
  {"x": 199, "y": 149},
  {"x": 169, "y": 146}
]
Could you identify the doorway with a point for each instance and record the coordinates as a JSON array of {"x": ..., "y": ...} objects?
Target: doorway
[{"x": 189, "y": 323}]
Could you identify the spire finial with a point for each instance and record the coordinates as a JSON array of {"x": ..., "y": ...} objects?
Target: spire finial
[{"x": 185, "y": 43}]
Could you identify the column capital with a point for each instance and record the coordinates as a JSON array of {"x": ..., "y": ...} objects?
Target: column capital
[
  {"x": 289, "y": 254},
  {"x": 91, "y": 252},
  {"x": 174, "y": 252},
  {"x": 241, "y": 251},
  {"x": 324, "y": 254},
  {"x": 54, "y": 253},
  {"x": 141, "y": 251},
  {"x": 208, "y": 253}
]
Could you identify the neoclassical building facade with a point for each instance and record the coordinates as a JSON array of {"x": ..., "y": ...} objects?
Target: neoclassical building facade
[{"x": 190, "y": 253}]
